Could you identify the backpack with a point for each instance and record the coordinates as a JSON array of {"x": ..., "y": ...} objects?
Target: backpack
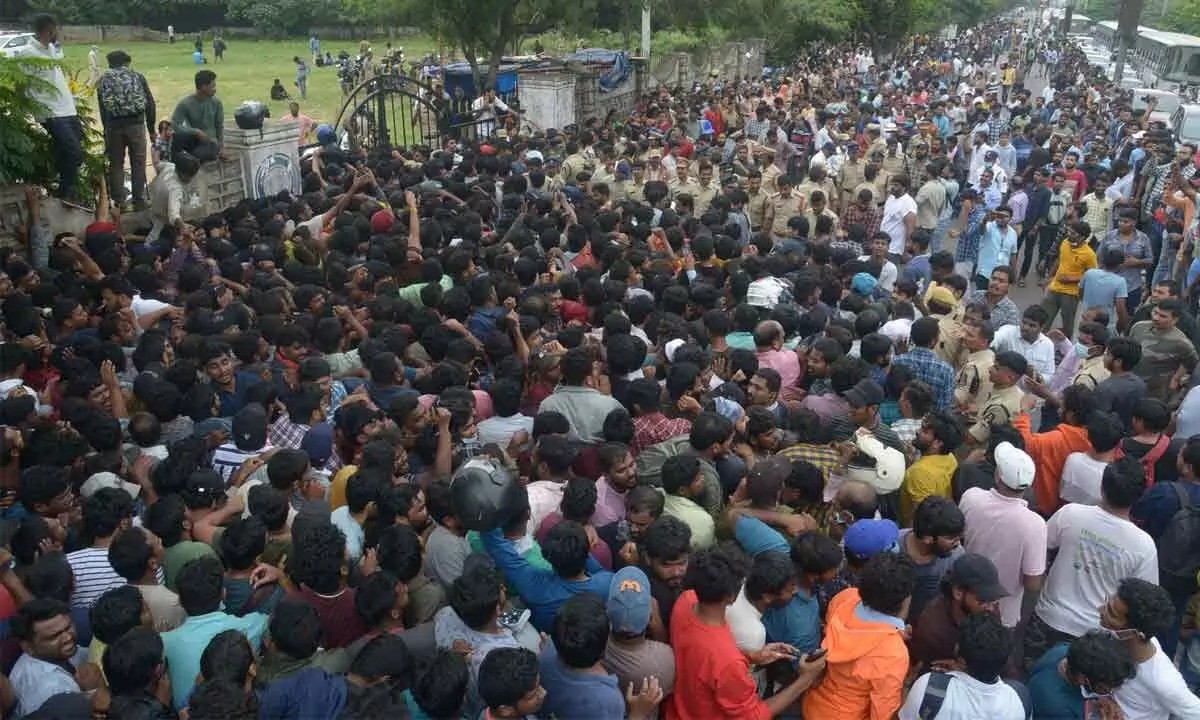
[
  {"x": 1179, "y": 545},
  {"x": 1151, "y": 458},
  {"x": 122, "y": 92},
  {"x": 935, "y": 695}
]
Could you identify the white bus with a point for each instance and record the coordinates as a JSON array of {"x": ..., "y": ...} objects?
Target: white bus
[{"x": 1172, "y": 57}]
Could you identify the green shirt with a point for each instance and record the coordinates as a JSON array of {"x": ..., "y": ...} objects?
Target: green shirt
[
  {"x": 207, "y": 114},
  {"x": 412, "y": 293},
  {"x": 180, "y": 554}
]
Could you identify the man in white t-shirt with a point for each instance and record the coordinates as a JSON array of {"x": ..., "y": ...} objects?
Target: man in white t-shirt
[
  {"x": 899, "y": 217},
  {"x": 1098, "y": 547},
  {"x": 1138, "y": 612},
  {"x": 1083, "y": 470},
  {"x": 771, "y": 583},
  {"x": 984, "y": 646}
]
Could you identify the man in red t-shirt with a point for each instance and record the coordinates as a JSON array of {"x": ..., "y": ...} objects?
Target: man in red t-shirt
[{"x": 712, "y": 677}]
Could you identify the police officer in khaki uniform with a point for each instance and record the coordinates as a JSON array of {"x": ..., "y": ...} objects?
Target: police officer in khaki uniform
[
  {"x": 770, "y": 172},
  {"x": 574, "y": 163},
  {"x": 782, "y": 207},
  {"x": 683, "y": 182},
  {"x": 943, "y": 305},
  {"x": 705, "y": 189},
  {"x": 1004, "y": 403},
  {"x": 875, "y": 140},
  {"x": 853, "y": 175},
  {"x": 759, "y": 198},
  {"x": 894, "y": 161},
  {"x": 973, "y": 383}
]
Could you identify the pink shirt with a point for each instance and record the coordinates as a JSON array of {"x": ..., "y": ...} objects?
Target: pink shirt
[
  {"x": 610, "y": 504},
  {"x": 1013, "y": 537},
  {"x": 784, "y": 362},
  {"x": 827, "y": 406},
  {"x": 306, "y": 125}
]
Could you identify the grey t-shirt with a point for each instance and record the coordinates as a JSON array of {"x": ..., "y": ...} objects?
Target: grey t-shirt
[
  {"x": 1119, "y": 394},
  {"x": 445, "y": 553}
]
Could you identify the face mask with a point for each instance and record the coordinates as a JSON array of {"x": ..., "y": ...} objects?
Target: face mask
[
  {"x": 1089, "y": 695},
  {"x": 1122, "y": 634},
  {"x": 1081, "y": 350}
]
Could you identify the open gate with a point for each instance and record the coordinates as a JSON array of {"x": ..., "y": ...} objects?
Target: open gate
[{"x": 393, "y": 110}]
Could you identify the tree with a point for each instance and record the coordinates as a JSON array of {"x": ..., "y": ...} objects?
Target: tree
[{"x": 1184, "y": 17}]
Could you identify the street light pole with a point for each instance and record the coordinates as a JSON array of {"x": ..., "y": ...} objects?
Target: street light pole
[{"x": 645, "y": 29}]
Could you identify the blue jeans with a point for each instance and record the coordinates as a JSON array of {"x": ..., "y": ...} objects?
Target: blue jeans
[{"x": 67, "y": 135}]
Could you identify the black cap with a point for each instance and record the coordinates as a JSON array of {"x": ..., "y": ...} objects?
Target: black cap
[
  {"x": 977, "y": 574},
  {"x": 250, "y": 428}
]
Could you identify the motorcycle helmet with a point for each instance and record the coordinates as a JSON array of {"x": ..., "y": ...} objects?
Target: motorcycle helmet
[
  {"x": 326, "y": 134},
  {"x": 250, "y": 115},
  {"x": 485, "y": 494}
]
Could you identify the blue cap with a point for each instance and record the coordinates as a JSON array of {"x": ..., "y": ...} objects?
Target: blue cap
[
  {"x": 728, "y": 408},
  {"x": 629, "y": 601},
  {"x": 318, "y": 443},
  {"x": 863, "y": 283},
  {"x": 867, "y": 538}
]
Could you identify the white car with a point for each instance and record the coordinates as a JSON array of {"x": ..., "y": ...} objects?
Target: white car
[
  {"x": 11, "y": 45},
  {"x": 1167, "y": 103},
  {"x": 1185, "y": 123}
]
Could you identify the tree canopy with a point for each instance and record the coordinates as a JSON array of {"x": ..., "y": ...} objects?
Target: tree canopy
[{"x": 484, "y": 32}]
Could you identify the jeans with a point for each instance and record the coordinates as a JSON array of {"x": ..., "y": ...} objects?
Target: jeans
[
  {"x": 1046, "y": 235},
  {"x": 117, "y": 139},
  {"x": 303, "y": 85},
  {"x": 67, "y": 135}
]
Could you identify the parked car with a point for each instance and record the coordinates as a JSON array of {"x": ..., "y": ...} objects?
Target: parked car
[
  {"x": 11, "y": 45},
  {"x": 1167, "y": 103},
  {"x": 1185, "y": 123}
]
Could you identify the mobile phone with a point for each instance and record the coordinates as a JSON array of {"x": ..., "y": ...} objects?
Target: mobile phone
[{"x": 815, "y": 655}]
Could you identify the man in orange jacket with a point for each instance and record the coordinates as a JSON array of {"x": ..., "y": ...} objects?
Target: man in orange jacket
[
  {"x": 867, "y": 659},
  {"x": 1050, "y": 450}
]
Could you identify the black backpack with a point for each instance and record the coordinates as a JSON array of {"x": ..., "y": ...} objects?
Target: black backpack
[
  {"x": 1179, "y": 545},
  {"x": 935, "y": 695}
]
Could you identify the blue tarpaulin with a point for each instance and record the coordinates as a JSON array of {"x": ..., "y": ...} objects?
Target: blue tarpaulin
[
  {"x": 614, "y": 76},
  {"x": 459, "y": 75}
]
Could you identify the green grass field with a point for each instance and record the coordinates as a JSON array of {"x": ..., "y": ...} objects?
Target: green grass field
[{"x": 246, "y": 73}]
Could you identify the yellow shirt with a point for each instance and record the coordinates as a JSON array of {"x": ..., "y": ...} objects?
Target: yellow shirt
[
  {"x": 931, "y": 475},
  {"x": 1010, "y": 76},
  {"x": 337, "y": 486},
  {"x": 1075, "y": 262}
]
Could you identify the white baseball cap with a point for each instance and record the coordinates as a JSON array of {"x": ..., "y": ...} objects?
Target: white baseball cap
[{"x": 1014, "y": 467}]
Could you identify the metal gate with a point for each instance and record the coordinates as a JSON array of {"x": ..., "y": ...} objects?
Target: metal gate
[{"x": 393, "y": 110}]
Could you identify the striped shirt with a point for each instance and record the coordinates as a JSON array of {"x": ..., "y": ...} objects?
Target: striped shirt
[{"x": 93, "y": 576}]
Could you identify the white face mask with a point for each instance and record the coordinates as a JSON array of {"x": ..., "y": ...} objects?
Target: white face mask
[{"x": 1089, "y": 695}]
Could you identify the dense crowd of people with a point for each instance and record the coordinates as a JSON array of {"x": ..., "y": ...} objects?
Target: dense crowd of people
[{"x": 721, "y": 408}]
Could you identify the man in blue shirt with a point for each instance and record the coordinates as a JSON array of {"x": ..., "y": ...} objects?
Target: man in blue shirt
[
  {"x": 574, "y": 571},
  {"x": 1077, "y": 680},
  {"x": 997, "y": 247},
  {"x": 577, "y": 684}
]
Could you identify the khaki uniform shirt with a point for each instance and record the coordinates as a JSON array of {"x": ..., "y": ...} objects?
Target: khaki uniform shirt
[
  {"x": 784, "y": 209},
  {"x": 769, "y": 175},
  {"x": 853, "y": 175},
  {"x": 892, "y": 166},
  {"x": 812, "y": 220},
  {"x": 1001, "y": 408},
  {"x": 973, "y": 384},
  {"x": 704, "y": 197},
  {"x": 1091, "y": 373},
  {"x": 756, "y": 208},
  {"x": 949, "y": 346}
]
